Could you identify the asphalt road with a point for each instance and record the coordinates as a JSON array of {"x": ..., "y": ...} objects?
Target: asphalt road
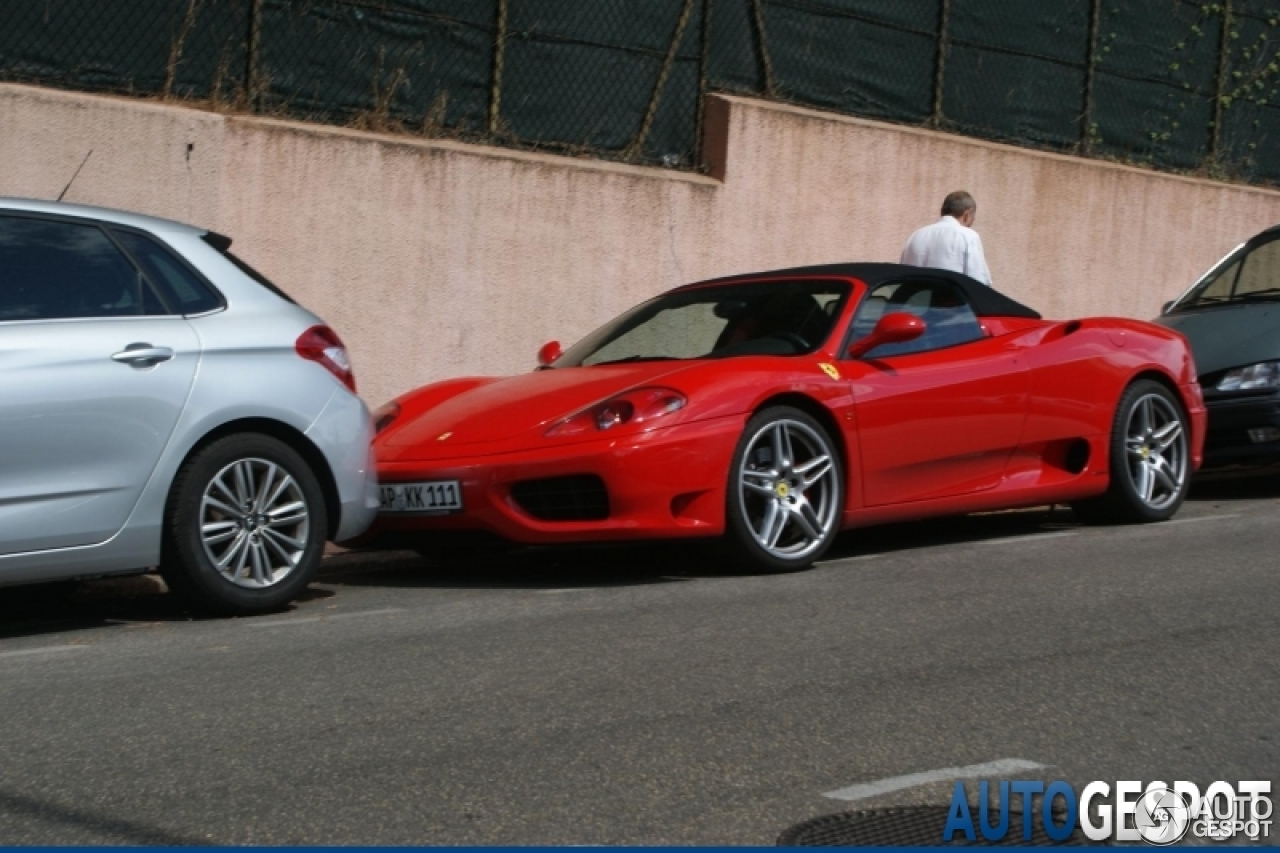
[{"x": 633, "y": 696}]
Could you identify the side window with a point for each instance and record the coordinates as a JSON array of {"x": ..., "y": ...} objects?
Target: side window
[
  {"x": 1261, "y": 271},
  {"x": 1221, "y": 286},
  {"x": 783, "y": 320},
  {"x": 182, "y": 289},
  {"x": 57, "y": 270},
  {"x": 949, "y": 319}
]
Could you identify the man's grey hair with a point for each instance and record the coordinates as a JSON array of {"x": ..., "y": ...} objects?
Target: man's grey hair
[{"x": 957, "y": 203}]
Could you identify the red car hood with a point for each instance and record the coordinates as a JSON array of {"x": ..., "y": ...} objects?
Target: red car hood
[{"x": 508, "y": 413}]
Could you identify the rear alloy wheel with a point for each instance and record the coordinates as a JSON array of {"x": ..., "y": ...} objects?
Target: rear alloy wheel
[
  {"x": 1150, "y": 459},
  {"x": 245, "y": 527},
  {"x": 785, "y": 491}
]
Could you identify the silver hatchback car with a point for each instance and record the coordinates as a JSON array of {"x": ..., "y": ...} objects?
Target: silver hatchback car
[{"x": 163, "y": 404}]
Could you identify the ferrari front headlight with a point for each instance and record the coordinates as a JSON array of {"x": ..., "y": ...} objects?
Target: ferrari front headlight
[
  {"x": 1251, "y": 378},
  {"x": 638, "y": 406}
]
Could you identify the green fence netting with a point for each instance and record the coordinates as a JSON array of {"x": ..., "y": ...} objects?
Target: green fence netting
[
  {"x": 421, "y": 63},
  {"x": 1016, "y": 70},
  {"x": 1177, "y": 84},
  {"x": 145, "y": 47}
]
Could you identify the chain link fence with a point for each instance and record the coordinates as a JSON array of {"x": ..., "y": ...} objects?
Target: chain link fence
[{"x": 1176, "y": 84}]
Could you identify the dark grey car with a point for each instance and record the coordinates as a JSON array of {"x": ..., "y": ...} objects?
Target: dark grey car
[{"x": 1231, "y": 316}]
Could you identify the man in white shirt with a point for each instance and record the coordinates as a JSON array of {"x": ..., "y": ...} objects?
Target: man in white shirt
[{"x": 950, "y": 243}]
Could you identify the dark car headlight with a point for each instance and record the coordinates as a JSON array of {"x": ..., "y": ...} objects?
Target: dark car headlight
[
  {"x": 384, "y": 415},
  {"x": 1251, "y": 378}
]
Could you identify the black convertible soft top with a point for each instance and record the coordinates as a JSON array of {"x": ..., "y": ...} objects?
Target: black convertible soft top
[{"x": 986, "y": 301}]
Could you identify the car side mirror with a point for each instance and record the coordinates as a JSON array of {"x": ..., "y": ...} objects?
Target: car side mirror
[
  {"x": 897, "y": 328},
  {"x": 550, "y": 352}
]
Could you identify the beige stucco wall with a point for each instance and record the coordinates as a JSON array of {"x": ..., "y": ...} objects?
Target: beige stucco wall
[{"x": 433, "y": 258}]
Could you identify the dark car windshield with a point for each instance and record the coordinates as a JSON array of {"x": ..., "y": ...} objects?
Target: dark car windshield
[
  {"x": 1251, "y": 274},
  {"x": 790, "y": 317}
]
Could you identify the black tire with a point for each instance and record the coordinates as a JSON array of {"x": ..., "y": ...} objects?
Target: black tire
[
  {"x": 186, "y": 562},
  {"x": 746, "y": 506},
  {"x": 1124, "y": 501}
]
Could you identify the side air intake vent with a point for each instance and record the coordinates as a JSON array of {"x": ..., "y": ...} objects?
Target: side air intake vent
[{"x": 1077, "y": 456}]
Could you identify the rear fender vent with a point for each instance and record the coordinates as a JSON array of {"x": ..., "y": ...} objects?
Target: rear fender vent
[{"x": 579, "y": 497}]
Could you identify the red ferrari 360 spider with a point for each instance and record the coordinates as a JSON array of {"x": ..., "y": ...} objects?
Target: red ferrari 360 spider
[{"x": 772, "y": 410}]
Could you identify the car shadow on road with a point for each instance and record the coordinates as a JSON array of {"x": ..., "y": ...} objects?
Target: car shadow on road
[
  {"x": 635, "y": 564},
  {"x": 131, "y": 601},
  {"x": 90, "y": 823},
  {"x": 119, "y": 602},
  {"x": 1236, "y": 484},
  {"x": 952, "y": 530},
  {"x": 600, "y": 566}
]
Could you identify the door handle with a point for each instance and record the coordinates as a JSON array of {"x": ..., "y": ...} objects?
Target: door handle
[{"x": 143, "y": 355}]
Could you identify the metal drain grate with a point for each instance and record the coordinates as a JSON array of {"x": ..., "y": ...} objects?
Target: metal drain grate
[{"x": 908, "y": 826}]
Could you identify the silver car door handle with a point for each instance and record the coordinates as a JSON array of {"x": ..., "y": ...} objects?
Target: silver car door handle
[{"x": 143, "y": 355}]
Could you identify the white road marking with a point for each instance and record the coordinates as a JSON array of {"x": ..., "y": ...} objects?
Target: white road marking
[
  {"x": 41, "y": 650},
  {"x": 280, "y": 623},
  {"x": 1203, "y": 518},
  {"x": 1030, "y": 537},
  {"x": 364, "y": 613},
  {"x": 303, "y": 620},
  {"x": 946, "y": 774},
  {"x": 837, "y": 560}
]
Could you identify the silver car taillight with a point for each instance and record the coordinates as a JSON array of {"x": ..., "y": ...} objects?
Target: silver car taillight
[{"x": 323, "y": 346}]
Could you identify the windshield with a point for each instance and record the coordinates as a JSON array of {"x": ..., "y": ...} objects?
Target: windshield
[
  {"x": 759, "y": 318},
  {"x": 1251, "y": 274}
]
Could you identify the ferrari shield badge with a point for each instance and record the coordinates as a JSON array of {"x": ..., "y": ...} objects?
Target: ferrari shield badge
[{"x": 830, "y": 370}]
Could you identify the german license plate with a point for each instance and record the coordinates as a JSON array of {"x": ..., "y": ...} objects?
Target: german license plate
[{"x": 431, "y": 496}]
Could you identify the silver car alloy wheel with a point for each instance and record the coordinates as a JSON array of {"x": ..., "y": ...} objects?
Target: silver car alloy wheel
[
  {"x": 1156, "y": 451},
  {"x": 788, "y": 482},
  {"x": 254, "y": 523}
]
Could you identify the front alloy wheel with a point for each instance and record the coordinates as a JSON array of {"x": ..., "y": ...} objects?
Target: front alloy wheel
[{"x": 785, "y": 490}]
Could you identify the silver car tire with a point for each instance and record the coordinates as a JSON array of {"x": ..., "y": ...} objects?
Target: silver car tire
[{"x": 245, "y": 526}]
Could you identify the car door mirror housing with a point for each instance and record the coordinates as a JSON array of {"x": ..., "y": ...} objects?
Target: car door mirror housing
[
  {"x": 896, "y": 328},
  {"x": 550, "y": 352}
]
